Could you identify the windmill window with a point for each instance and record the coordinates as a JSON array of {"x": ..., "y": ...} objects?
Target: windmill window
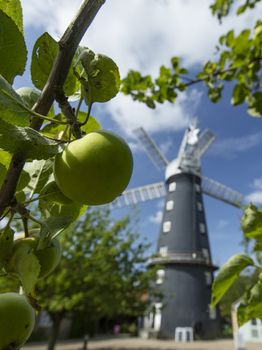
[
  {"x": 197, "y": 187},
  {"x": 212, "y": 313},
  {"x": 163, "y": 251},
  {"x": 166, "y": 226},
  {"x": 208, "y": 277},
  {"x": 172, "y": 187},
  {"x": 202, "y": 228},
  {"x": 205, "y": 253},
  {"x": 160, "y": 276},
  {"x": 199, "y": 206},
  {"x": 254, "y": 333},
  {"x": 169, "y": 205}
]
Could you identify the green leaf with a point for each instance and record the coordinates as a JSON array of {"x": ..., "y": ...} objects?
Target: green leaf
[
  {"x": 13, "y": 9},
  {"x": 6, "y": 245},
  {"x": 30, "y": 97},
  {"x": 12, "y": 107},
  {"x": 23, "y": 180},
  {"x": 255, "y": 105},
  {"x": 51, "y": 228},
  {"x": 228, "y": 274},
  {"x": 2, "y": 173},
  {"x": 239, "y": 94},
  {"x": 13, "y": 53},
  {"x": 91, "y": 125},
  {"x": 258, "y": 246},
  {"x": 103, "y": 79},
  {"x": 52, "y": 194},
  {"x": 5, "y": 158},
  {"x": 252, "y": 305},
  {"x": 43, "y": 56},
  {"x": 28, "y": 271},
  {"x": 72, "y": 211},
  {"x": 230, "y": 38},
  {"x": 40, "y": 171},
  {"x": 251, "y": 222},
  {"x": 30, "y": 144}
]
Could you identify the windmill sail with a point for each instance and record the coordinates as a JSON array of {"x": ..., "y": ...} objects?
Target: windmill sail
[
  {"x": 151, "y": 148},
  {"x": 219, "y": 191}
]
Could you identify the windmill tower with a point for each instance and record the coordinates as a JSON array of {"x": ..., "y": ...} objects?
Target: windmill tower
[{"x": 183, "y": 256}]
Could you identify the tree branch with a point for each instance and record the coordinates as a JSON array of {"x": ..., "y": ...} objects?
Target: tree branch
[{"x": 67, "y": 48}]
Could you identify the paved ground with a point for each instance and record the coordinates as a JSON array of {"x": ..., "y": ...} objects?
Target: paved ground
[{"x": 145, "y": 344}]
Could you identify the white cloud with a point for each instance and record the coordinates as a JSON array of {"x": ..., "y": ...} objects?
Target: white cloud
[
  {"x": 130, "y": 115},
  {"x": 255, "y": 197},
  {"x": 143, "y": 35},
  {"x": 229, "y": 147},
  {"x": 257, "y": 183}
]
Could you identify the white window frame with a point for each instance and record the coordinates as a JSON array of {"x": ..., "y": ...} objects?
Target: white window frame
[
  {"x": 202, "y": 228},
  {"x": 167, "y": 226},
  {"x": 163, "y": 251},
  {"x": 212, "y": 313},
  {"x": 208, "y": 278},
  {"x": 205, "y": 253},
  {"x": 199, "y": 206},
  {"x": 197, "y": 187},
  {"x": 169, "y": 205},
  {"x": 160, "y": 276},
  {"x": 172, "y": 187}
]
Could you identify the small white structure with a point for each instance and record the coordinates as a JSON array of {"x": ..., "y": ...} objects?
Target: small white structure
[
  {"x": 249, "y": 332},
  {"x": 252, "y": 331},
  {"x": 184, "y": 334}
]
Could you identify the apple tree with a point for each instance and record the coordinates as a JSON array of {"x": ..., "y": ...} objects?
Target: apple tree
[{"x": 39, "y": 127}]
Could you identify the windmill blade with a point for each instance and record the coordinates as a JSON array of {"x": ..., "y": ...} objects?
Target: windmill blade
[
  {"x": 219, "y": 191},
  {"x": 151, "y": 148},
  {"x": 139, "y": 194},
  {"x": 205, "y": 140}
]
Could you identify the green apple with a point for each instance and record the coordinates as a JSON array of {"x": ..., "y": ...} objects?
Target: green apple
[
  {"x": 17, "y": 319},
  {"x": 48, "y": 257},
  {"x": 95, "y": 169}
]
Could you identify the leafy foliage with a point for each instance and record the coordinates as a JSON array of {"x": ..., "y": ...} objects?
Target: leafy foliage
[
  {"x": 251, "y": 296},
  {"x": 239, "y": 62},
  {"x": 221, "y": 8},
  {"x": 43, "y": 56},
  {"x": 100, "y": 80},
  {"x": 11, "y": 64}
]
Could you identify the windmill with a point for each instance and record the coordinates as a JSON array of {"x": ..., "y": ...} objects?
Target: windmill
[{"x": 183, "y": 252}]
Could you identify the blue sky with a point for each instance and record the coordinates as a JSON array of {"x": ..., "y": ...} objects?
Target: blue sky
[{"x": 143, "y": 35}]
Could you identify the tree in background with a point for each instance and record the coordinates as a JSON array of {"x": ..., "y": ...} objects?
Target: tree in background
[{"x": 101, "y": 274}]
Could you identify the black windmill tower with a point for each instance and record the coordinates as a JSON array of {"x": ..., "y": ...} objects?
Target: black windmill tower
[{"x": 185, "y": 271}]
